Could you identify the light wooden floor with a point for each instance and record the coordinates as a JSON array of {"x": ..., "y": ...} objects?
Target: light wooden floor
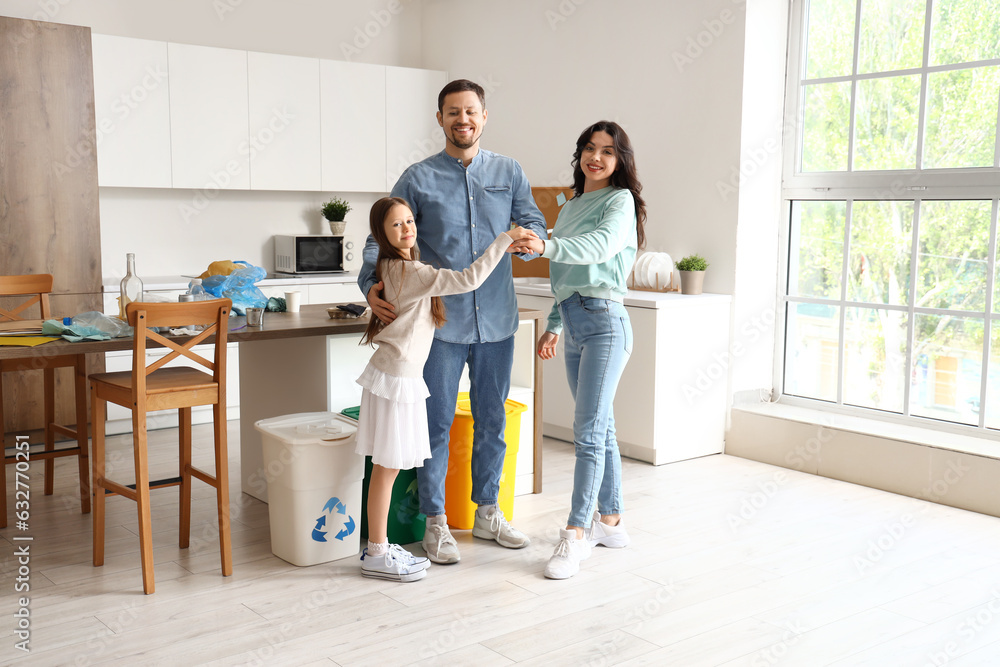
[{"x": 733, "y": 562}]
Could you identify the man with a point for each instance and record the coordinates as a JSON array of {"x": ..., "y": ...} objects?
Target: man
[{"x": 462, "y": 198}]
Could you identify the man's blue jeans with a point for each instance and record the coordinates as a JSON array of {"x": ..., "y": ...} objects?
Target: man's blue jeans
[
  {"x": 597, "y": 343},
  {"x": 489, "y": 373}
]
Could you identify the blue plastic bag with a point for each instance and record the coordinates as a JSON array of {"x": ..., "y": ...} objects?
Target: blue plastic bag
[{"x": 239, "y": 287}]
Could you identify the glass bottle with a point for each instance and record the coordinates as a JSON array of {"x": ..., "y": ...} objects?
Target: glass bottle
[{"x": 131, "y": 285}]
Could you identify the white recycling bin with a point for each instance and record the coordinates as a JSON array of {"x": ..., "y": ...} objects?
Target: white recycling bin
[{"x": 314, "y": 486}]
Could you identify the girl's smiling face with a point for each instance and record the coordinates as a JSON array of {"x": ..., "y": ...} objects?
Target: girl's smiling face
[{"x": 401, "y": 229}]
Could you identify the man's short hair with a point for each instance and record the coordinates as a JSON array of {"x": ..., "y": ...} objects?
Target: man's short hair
[{"x": 458, "y": 86}]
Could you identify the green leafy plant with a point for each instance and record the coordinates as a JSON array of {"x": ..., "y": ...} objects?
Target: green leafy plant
[
  {"x": 335, "y": 209},
  {"x": 692, "y": 263}
]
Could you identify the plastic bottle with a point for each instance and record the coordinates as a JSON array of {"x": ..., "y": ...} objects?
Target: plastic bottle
[{"x": 131, "y": 289}]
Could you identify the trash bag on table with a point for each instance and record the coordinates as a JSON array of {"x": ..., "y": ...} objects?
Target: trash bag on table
[{"x": 239, "y": 287}]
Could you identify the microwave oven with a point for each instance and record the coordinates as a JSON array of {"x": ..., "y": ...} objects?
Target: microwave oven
[{"x": 313, "y": 253}]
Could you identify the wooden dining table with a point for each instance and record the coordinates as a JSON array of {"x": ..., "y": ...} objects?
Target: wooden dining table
[{"x": 287, "y": 365}]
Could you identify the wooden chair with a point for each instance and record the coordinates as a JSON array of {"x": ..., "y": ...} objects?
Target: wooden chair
[
  {"x": 153, "y": 387},
  {"x": 37, "y": 288}
]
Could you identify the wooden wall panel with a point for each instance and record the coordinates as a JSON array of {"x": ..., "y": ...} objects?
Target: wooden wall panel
[{"x": 49, "y": 219}]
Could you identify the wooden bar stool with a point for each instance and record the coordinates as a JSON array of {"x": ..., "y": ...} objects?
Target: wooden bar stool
[
  {"x": 37, "y": 288},
  {"x": 153, "y": 387}
]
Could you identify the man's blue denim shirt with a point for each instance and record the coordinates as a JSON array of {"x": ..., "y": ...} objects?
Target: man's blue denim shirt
[{"x": 459, "y": 211}]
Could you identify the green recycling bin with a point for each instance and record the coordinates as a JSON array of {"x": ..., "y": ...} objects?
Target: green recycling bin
[{"x": 405, "y": 522}]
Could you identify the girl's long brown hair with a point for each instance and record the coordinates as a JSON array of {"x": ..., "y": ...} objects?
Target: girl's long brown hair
[
  {"x": 386, "y": 251},
  {"x": 624, "y": 177}
]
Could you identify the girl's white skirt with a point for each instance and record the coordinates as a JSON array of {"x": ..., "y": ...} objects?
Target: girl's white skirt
[{"x": 392, "y": 426}]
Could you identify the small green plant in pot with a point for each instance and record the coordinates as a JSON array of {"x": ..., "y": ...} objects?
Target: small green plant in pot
[
  {"x": 334, "y": 211},
  {"x": 692, "y": 269}
]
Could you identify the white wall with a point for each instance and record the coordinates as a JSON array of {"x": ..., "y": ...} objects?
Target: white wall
[
  {"x": 551, "y": 68},
  {"x": 158, "y": 225},
  {"x": 756, "y": 181}
]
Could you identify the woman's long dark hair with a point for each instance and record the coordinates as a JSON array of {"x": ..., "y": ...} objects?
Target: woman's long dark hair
[
  {"x": 624, "y": 176},
  {"x": 387, "y": 251}
]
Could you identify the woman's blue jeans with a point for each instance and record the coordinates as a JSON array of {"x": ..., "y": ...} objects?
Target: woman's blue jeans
[
  {"x": 489, "y": 374},
  {"x": 598, "y": 342}
]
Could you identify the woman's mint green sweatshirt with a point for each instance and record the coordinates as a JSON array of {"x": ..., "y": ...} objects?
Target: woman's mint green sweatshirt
[{"x": 592, "y": 248}]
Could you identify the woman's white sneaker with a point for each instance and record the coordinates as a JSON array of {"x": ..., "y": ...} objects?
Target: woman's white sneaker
[
  {"x": 565, "y": 561},
  {"x": 608, "y": 536}
]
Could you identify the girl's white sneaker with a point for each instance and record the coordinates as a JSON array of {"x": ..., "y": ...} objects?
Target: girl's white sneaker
[{"x": 396, "y": 564}]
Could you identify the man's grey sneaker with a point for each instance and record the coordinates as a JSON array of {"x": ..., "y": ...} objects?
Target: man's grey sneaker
[
  {"x": 438, "y": 543},
  {"x": 565, "y": 561},
  {"x": 396, "y": 564},
  {"x": 495, "y": 527},
  {"x": 608, "y": 536}
]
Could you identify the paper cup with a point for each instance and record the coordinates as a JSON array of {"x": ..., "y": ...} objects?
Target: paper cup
[{"x": 292, "y": 301}]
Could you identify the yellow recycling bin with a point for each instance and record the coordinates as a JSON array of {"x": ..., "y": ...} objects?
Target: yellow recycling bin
[{"x": 458, "y": 503}]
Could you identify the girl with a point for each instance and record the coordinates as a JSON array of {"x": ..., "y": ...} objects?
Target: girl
[
  {"x": 393, "y": 420},
  {"x": 592, "y": 250}
]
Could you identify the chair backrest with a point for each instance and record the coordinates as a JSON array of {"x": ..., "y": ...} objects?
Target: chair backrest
[
  {"x": 36, "y": 287},
  {"x": 144, "y": 316}
]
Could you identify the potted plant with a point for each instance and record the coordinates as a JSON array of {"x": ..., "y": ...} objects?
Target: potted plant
[
  {"x": 334, "y": 211},
  {"x": 692, "y": 269}
]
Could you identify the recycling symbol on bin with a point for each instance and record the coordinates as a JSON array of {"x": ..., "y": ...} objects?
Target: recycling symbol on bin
[{"x": 325, "y": 524}]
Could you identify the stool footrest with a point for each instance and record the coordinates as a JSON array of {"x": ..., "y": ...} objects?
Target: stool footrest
[{"x": 153, "y": 484}]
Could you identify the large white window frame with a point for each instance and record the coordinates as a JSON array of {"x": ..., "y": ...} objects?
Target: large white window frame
[{"x": 915, "y": 185}]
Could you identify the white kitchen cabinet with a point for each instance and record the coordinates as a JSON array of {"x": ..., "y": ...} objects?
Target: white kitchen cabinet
[
  {"x": 284, "y": 104},
  {"x": 353, "y": 103},
  {"x": 336, "y": 293},
  {"x": 209, "y": 126},
  {"x": 411, "y": 128},
  {"x": 671, "y": 403},
  {"x": 132, "y": 109}
]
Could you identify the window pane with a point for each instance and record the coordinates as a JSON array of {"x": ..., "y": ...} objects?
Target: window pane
[
  {"x": 993, "y": 380},
  {"x": 826, "y": 122},
  {"x": 811, "y": 351},
  {"x": 951, "y": 260},
  {"x": 881, "y": 238},
  {"x": 964, "y": 31},
  {"x": 948, "y": 359},
  {"x": 885, "y": 123},
  {"x": 892, "y": 35},
  {"x": 817, "y": 248},
  {"x": 961, "y": 118},
  {"x": 830, "y": 50},
  {"x": 875, "y": 358}
]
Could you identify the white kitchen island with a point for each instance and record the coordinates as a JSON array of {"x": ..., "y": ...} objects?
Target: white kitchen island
[{"x": 672, "y": 401}]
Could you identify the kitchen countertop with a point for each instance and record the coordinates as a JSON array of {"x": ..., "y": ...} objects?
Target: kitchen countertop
[
  {"x": 152, "y": 283},
  {"x": 635, "y": 298}
]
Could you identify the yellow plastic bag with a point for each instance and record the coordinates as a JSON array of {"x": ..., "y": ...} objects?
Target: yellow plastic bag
[{"x": 222, "y": 267}]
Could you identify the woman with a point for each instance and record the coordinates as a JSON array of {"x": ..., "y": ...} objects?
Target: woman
[{"x": 592, "y": 249}]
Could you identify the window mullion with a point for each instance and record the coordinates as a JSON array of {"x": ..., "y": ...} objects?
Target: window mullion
[
  {"x": 854, "y": 86},
  {"x": 844, "y": 278},
  {"x": 911, "y": 302},
  {"x": 989, "y": 321}
]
